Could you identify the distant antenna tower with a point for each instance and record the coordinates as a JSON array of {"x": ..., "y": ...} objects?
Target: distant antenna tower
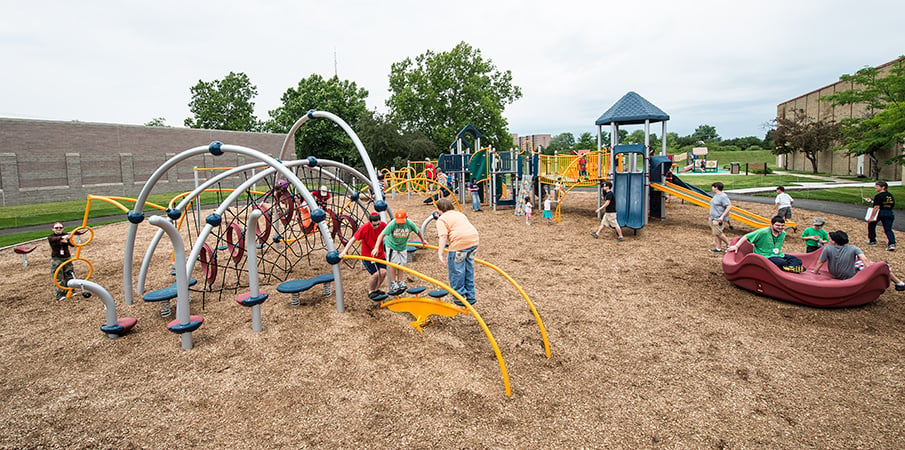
[{"x": 335, "y": 72}]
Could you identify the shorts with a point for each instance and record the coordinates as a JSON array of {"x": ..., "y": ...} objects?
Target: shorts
[
  {"x": 785, "y": 213},
  {"x": 372, "y": 267},
  {"x": 609, "y": 219},
  {"x": 547, "y": 214},
  {"x": 716, "y": 227},
  {"x": 397, "y": 257}
]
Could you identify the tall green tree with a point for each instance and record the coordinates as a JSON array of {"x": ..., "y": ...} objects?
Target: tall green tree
[
  {"x": 438, "y": 94},
  {"x": 586, "y": 141},
  {"x": 388, "y": 146},
  {"x": 707, "y": 134},
  {"x": 883, "y": 124},
  {"x": 224, "y": 104},
  {"x": 805, "y": 135},
  {"x": 561, "y": 143},
  {"x": 320, "y": 137}
]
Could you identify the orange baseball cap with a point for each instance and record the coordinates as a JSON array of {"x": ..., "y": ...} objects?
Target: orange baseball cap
[{"x": 401, "y": 216}]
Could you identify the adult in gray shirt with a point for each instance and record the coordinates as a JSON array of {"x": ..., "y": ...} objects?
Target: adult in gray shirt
[
  {"x": 843, "y": 261},
  {"x": 719, "y": 213}
]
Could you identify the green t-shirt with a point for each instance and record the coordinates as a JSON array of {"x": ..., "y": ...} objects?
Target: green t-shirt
[
  {"x": 396, "y": 236},
  {"x": 765, "y": 244},
  {"x": 814, "y": 245}
]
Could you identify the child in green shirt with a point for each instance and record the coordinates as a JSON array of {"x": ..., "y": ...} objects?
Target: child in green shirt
[{"x": 815, "y": 236}]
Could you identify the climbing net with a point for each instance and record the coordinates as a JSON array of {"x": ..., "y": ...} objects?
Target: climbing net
[{"x": 287, "y": 235}]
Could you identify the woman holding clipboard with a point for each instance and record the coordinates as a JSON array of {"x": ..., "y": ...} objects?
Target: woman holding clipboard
[{"x": 882, "y": 212}]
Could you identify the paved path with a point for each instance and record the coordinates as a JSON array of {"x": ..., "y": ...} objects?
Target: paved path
[{"x": 820, "y": 182}]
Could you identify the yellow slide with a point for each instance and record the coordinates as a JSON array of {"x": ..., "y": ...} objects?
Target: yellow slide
[{"x": 736, "y": 213}]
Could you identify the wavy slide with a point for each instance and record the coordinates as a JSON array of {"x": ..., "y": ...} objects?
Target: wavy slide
[{"x": 703, "y": 200}]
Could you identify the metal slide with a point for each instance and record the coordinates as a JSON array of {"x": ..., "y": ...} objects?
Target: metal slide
[{"x": 702, "y": 200}]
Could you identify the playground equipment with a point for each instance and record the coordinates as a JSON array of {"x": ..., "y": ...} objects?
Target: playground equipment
[
  {"x": 274, "y": 219},
  {"x": 686, "y": 192},
  {"x": 114, "y": 326},
  {"x": 757, "y": 274},
  {"x": 24, "y": 251}
]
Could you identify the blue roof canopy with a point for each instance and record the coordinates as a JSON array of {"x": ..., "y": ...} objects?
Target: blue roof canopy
[{"x": 632, "y": 109}]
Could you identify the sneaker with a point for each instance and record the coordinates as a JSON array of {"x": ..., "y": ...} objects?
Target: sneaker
[
  {"x": 470, "y": 302},
  {"x": 372, "y": 294},
  {"x": 871, "y": 242},
  {"x": 793, "y": 269},
  {"x": 620, "y": 238},
  {"x": 715, "y": 250},
  {"x": 378, "y": 293},
  {"x": 594, "y": 235},
  {"x": 402, "y": 286},
  {"x": 61, "y": 298},
  {"x": 891, "y": 247},
  {"x": 900, "y": 286}
]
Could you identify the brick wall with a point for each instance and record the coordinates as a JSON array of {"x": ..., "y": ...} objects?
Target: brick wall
[
  {"x": 836, "y": 162},
  {"x": 43, "y": 161}
]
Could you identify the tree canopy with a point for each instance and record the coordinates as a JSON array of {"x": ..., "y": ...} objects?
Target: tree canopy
[
  {"x": 882, "y": 125},
  {"x": 321, "y": 137},
  {"x": 224, "y": 105},
  {"x": 438, "y": 94}
]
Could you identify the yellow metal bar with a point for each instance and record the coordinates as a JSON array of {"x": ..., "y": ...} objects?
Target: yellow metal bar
[
  {"x": 540, "y": 323},
  {"x": 741, "y": 215},
  {"x": 471, "y": 310}
]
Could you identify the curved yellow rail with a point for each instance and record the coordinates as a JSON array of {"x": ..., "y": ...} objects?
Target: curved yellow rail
[
  {"x": 540, "y": 323},
  {"x": 471, "y": 310}
]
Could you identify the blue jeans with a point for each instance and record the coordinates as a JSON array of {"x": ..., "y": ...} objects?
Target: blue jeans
[
  {"x": 886, "y": 217},
  {"x": 475, "y": 201},
  {"x": 785, "y": 261},
  {"x": 460, "y": 265}
]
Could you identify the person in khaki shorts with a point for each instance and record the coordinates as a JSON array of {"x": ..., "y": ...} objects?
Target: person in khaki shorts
[
  {"x": 719, "y": 211},
  {"x": 609, "y": 212}
]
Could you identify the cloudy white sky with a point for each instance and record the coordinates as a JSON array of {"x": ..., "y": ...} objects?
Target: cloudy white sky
[{"x": 722, "y": 63}]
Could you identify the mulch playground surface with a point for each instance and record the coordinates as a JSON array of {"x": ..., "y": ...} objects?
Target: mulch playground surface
[{"x": 651, "y": 348}]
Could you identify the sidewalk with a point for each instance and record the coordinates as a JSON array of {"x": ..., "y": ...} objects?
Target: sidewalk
[{"x": 820, "y": 182}]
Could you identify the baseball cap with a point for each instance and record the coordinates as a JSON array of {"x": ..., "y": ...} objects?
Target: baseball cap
[
  {"x": 401, "y": 216},
  {"x": 818, "y": 221},
  {"x": 323, "y": 189}
]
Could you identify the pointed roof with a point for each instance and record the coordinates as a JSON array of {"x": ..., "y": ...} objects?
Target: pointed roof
[{"x": 632, "y": 109}]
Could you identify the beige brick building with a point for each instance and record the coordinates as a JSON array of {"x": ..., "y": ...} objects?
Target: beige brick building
[
  {"x": 43, "y": 161},
  {"x": 836, "y": 162}
]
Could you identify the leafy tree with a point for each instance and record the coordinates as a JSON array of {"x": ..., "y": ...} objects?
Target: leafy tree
[
  {"x": 706, "y": 134},
  {"x": 320, "y": 137},
  {"x": 157, "y": 122},
  {"x": 388, "y": 146},
  {"x": 883, "y": 124},
  {"x": 586, "y": 141},
  {"x": 560, "y": 143},
  {"x": 440, "y": 93},
  {"x": 224, "y": 105},
  {"x": 800, "y": 133}
]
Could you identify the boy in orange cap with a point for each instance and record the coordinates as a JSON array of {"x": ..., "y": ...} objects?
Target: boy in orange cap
[{"x": 395, "y": 237}]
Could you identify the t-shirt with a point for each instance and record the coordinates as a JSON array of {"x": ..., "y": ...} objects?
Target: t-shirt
[
  {"x": 784, "y": 200},
  {"x": 811, "y": 231},
  {"x": 611, "y": 198},
  {"x": 396, "y": 236},
  {"x": 547, "y": 204},
  {"x": 460, "y": 233},
  {"x": 528, "y": 208},
  {"x": 885, "y": 200},
  {"x": 718, "y": 205},
  {"x": 368, "y": 237},
  {"x": 765, "y": 244},
  {"x": 840, "y": 260}
]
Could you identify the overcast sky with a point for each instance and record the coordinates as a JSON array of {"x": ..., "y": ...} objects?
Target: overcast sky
[{"x": 722, "y": 63}]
